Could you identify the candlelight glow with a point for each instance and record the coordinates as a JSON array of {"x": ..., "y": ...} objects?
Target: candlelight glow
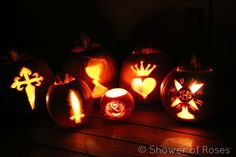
[
  {"x": 178, "y": 86},
  {"x": 28, "y": 81},
  {"x": 184, "y": 114},
  {"x": 76, "y": 106},
  {"x": 141, "y": 71},
  {"x": 143, "y": 87},
  {"x": 195, "y": 86},
  {"x": 115, "y": 109},
  {"x": 116, "y": 92},
  {"x": 146, "y": 86},
  {"x": 185, "y": 98},
  {"x": 176, "y": 102},
  {"x": 94, "y": 69}
]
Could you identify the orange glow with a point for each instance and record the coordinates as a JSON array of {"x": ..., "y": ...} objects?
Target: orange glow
[
  {"x": 194, "y": 87},
  {"x": 76, "y": 106},
  {"x": 28, "y": 81},
  {"x": 185, "y": 99},
  {"x": 178, "y": 86},
  {"x": 184, "y": 144},
  {"x": 115, "y": 109},
  {"x": 193, "y": 104},
  {"x": 144, "y": 87},
  {"x": 68, "y": 78},
  {"x": 116, "y": 92},
  {"x": 141, "y": 71},
  {"x": 176, "y": 102},
  {"x": 94, "y": 69},
  {"x": 185, "y": 114}
]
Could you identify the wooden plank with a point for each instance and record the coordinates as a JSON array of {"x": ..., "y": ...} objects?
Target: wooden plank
[
  {"x": 85, "y": 143},
  {"x": 155, "y": 116},
  {"x": 155, "y": 137},
  {"x": 47, "y": 151}
]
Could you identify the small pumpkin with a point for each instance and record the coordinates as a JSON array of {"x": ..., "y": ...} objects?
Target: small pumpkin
[
  {"x": 69, "y": 102},
  {"x": 91, "y": 63},
  {"x": 24, "y": 81},
  {"x": 117, "y": 104},
  {"x": 142, "y": 73},
  {"x": 187, "y": 92}
]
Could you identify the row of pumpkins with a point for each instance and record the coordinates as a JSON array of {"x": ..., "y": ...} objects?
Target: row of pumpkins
[{"x": 91, "y": 76}]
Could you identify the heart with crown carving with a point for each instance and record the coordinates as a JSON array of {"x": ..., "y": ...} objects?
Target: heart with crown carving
[{"x": 143, "y": 86}]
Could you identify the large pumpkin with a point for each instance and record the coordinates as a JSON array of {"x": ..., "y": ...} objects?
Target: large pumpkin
[
  {"x": 69, "y": 102},
  {"x": 142, "y": 73},
  {"x": 24, "y": 81},
  {"x": 187, "y": 92},
  {"x": 91, "y": 63}
]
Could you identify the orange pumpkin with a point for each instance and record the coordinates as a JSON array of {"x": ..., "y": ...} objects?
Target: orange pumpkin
[
  {"x": 91, "y": 63},
  {"x": 24, "y": 81},
  {"x": 187, "y": 92},
  {"x": 142, "y": 73},
  {"x": 69, "y": 102}
]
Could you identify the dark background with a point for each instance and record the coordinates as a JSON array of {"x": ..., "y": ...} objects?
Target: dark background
[{"x": 178, "y": 27}]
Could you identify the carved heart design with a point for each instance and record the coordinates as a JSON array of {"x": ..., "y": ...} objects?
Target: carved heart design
[{"x": 143, "y": 87}]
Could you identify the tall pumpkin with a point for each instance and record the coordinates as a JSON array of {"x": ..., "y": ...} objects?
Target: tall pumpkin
[
  {"x": 142, "y": 73},
  {"x": 93, "y": 64},
  {"x": 188, "y": 91},
  {"x": 24, "y": 81}
]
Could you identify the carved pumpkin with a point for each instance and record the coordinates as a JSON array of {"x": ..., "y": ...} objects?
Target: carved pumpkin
[
  {"x": 187, "y": 92},
  {"x": 91, "y": 63},
  {"x": 24, "y": 81},
  {"x": 142, "y": 73},
  {"x": 69, "y": 102},
  {"x": 117, "y": 104}
]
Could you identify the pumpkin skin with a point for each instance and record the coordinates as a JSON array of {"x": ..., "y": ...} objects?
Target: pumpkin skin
[
  {"x": 142, "y": 73},
  {"x": 188, "y": 94},
  {"x": 69, "y": 103},
  {"x": 117, "y": 104},
  {"x": 95, "y": 66},
  {"x": 24, "y": 82}
]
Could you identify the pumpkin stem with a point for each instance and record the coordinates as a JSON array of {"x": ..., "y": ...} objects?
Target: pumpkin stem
[
  {"x": 68, "y": 78},
  {"x": 195, "y": 62},
  {"x": 14, "y": 55},
  {"x": 63, "y": 79},
  {"x": 85, "y": 41}
]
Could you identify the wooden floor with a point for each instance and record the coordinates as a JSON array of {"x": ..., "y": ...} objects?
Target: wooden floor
[{"x": 150, "y": 131}]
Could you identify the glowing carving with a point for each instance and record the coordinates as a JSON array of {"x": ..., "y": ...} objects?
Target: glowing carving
[
  {"x": 76, "y": 107},
  {"x": 185, "y": 114},
  {"x": 141, "y": 71},
  {"x": 143, "y": 86},
  {"x": 185, "y": 98},
  {"x": 115, "y": 108},
  {"x": 116, "y": 92},
  {"x": 28, "y": 81},
  {"x": 94, "y": 69}
]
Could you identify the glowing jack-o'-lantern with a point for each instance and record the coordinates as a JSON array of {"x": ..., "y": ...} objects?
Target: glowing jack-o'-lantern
[
  {"x": 142, "y": 73},
  {"x": 117, "y": 104},
  {"x": 91, "y": 63},
  {"x": 187, "y": 93},
  {"x": 24, "y": 83},
  {"x": 69, "y": 102}
]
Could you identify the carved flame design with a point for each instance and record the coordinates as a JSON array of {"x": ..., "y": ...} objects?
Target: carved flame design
[{"x": 76, "y": 106}]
